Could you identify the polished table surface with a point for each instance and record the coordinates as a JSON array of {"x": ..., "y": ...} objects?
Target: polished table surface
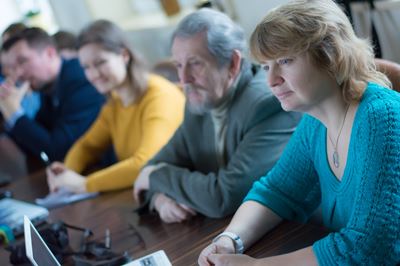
[
  {"x": 141, "y": 235},
  {"x": 12, "y": 160}
]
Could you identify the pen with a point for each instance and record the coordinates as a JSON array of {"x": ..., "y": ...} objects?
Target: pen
[
  {"x": 107, "y": 241},
  {"x": 45, "y": 158}
]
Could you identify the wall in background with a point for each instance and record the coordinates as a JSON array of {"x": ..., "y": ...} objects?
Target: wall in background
[
  {"x": 149, "y": 32},
  {"x": 10, "y": 15},
  {"x": 249, "y": 13},
  {"x": 149, "y": 29},
  {"x": 71, "y": 15},
  {"x": 147, "y": 26},
  {"x": 36, "y": 13},
  {"x": 154, "y": 41},
  {"x": 117, "y": 10}
]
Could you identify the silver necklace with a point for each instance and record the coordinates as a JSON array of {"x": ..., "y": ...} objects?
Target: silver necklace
[{"x": 335, "y": 155}]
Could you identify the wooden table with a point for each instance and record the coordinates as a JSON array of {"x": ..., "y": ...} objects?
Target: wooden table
[
  {"x": 181, "y": 242},
  {"x": 12, "y": 160}
]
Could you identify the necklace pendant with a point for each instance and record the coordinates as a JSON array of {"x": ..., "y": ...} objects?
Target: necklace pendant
[{"x": 336, "y": 159}]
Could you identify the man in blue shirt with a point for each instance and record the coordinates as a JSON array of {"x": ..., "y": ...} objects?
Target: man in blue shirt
[{"x": 69, "y": 103}]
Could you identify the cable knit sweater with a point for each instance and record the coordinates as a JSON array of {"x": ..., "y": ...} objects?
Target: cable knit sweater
[{"x": 363, "y": 209}]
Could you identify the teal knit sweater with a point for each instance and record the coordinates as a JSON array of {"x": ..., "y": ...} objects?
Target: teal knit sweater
[{"x": 363, "y": 209}]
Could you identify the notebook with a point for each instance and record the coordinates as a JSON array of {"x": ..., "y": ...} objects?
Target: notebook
[
  {"x": 158, "y": 258},
  {"x": 36, "y": 249},
  {"x": 12, "y": 213},
  {"x": 63, "y": 197}
]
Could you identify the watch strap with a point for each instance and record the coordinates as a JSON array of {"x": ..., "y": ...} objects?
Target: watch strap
[{"x": 239, "y": 247}]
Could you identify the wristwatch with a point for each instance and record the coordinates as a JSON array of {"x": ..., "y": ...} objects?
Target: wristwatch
[{"x": 239, "y": 247}]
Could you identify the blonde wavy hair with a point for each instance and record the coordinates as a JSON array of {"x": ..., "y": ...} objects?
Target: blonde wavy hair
[{"x": 320, "y": 28}]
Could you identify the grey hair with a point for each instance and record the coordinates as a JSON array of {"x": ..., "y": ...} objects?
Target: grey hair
[{"x": 223, "y": 35}]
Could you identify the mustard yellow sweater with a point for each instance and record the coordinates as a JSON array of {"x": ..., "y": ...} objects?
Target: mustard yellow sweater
[{"x": 137, "y": 132}]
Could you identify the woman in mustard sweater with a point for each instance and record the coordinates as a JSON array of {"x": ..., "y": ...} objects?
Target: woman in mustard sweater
[{"x": 142, "y": 113}]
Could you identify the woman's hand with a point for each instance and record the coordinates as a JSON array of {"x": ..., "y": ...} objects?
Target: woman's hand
[
  {"x": 59, "y": 176},
  {"x": 224, "y": 245}
]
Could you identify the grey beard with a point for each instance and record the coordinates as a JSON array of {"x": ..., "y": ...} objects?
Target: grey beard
[{"x": 198, "y": 109}]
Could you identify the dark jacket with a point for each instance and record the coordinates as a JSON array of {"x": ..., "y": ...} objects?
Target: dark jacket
[
  {"x": 257, "y": 132},
  {"x": 66, "y": 112}
]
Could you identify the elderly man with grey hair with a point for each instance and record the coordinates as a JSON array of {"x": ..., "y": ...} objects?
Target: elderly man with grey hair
[{"x": 234, "y": 128}]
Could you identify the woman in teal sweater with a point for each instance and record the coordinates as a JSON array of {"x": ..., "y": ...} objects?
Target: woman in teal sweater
[{"x": 344, "y": 156}]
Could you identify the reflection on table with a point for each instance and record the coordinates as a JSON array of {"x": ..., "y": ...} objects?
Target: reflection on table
[
  {"x": 12, "y": 160},
  {"x": 142, "y": 235}
]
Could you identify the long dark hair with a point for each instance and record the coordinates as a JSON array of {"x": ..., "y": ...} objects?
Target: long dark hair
[{"x": 110, "y": 37}]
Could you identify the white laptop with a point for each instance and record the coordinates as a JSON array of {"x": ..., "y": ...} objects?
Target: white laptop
[
  {"x": 40, "y": 255},
  {"x": 12, "y": 212},
  {"x": 36, "y": 249}
]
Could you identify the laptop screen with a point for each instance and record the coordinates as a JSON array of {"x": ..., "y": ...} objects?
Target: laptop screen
[{"x": 36, "y": 249}]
